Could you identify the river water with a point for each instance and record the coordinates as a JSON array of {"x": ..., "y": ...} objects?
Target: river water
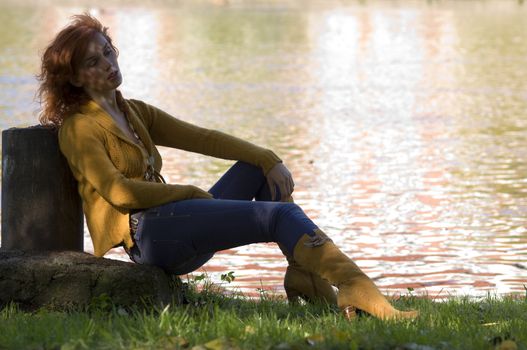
[{"x": 404, "y": 123}]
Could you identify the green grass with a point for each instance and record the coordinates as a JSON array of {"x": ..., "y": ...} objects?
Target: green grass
[{"x": 215, "y": 321}]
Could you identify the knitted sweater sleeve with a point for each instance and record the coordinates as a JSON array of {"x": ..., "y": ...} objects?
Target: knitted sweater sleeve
[
  {"x": 168, "y": 131},
  {"x": 83, "y": 146}
]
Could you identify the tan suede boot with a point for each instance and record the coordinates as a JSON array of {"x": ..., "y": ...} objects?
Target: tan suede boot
[
  {"x": 320, "y": 255},
  {"x": 300, "y": 283}
]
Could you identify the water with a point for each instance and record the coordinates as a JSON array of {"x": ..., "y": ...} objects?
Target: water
[{"x": 403, "y": 123}]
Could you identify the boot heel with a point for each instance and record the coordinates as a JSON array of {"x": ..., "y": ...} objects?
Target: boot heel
[
  {"x": 291, "y": 289},
  {"x": 299, "y": 283},
  {"x": 293, "y": 296},
  {"x": 350, "y": 312}
]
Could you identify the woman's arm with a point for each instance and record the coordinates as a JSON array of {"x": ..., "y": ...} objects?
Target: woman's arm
[
  {"x": 83, "y": 146},
  {"x": 168, "y": 131}
]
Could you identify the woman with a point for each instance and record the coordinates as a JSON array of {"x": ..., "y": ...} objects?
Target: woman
[{"x": 110, "y": 144}]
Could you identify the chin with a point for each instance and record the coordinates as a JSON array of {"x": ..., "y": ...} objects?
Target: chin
[{"x": 118, "y": 83}]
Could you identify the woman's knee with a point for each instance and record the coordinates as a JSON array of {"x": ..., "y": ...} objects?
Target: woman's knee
[
  {"x": 285, "y": 213},
  {"x": 288, "y": 209},
  {"x": 247, "y": 166}
]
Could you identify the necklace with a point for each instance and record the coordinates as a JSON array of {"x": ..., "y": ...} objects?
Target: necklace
[{"x": 150, "y": 174}]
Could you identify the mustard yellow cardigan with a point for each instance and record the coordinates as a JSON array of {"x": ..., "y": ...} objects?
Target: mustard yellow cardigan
[{"x": 110, "y": 167}]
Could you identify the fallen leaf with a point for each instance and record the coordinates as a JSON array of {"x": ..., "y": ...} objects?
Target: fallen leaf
[
  {"x": 249, "y": 330},
  {"x": 507, "y": 344},
  {"x": 490, "y": 324},
  {"x": 414, "y": 346},
  {"x": 281, "y": 346},
  {"x": 199, "y": 347},
  {"x": 174, "y": 341},
  {"x": 339, "y": 335},
  {"x": 220, "y": 344},
  {"x": 315, "y": 339}
]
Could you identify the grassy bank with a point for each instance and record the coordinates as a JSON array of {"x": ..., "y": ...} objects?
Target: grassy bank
[{"x": 215, "y": 321}]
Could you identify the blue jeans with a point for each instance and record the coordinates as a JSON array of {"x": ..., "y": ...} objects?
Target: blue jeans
[{"x": 181, "y": 236}]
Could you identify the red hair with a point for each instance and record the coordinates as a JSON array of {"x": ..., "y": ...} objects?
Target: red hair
[{"x": 57, "y": 96}]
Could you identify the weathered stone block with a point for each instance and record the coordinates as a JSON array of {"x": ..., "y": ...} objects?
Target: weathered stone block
[{"x": 72, "y": 279}]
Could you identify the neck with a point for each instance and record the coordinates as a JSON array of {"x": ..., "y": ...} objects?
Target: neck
[{"x": 108, "y": 101}]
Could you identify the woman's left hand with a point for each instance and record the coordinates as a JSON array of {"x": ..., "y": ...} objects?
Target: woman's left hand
[{"x": 279, "y": 176}]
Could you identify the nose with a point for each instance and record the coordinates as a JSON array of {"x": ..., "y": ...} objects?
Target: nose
[{"x": 108, "y": 64}]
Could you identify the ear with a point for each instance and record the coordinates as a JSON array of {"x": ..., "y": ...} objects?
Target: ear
[{"x": 75, "y": 82}]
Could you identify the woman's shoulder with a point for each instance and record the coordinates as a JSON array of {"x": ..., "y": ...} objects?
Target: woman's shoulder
[
  {"x": 138, "y": 105},
  {"x": 78, "y": 126},
  {"x": 142, "y": 110},
  {"x": 75, "y": 120}
]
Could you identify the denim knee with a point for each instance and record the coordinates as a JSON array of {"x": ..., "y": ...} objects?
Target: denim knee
[
  {"x": 248, "y": 167},
  {"x": 287, "y": 216},
  {"x": 287, "y": 209},
  {"x": 288, "y": 224}
]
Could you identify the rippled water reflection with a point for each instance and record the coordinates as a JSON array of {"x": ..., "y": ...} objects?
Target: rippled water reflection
[{"x": 403, "y": 124}]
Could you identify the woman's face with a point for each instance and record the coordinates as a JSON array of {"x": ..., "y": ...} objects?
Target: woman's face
[{"x": 98, "y": 71}]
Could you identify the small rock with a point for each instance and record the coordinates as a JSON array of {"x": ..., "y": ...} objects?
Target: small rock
[{"x": 414, "y": 346}]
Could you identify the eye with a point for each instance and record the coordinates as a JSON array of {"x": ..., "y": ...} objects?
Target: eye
[
  {"x": 107, "y": 52},
  {"x": 92, "y": 63}
]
